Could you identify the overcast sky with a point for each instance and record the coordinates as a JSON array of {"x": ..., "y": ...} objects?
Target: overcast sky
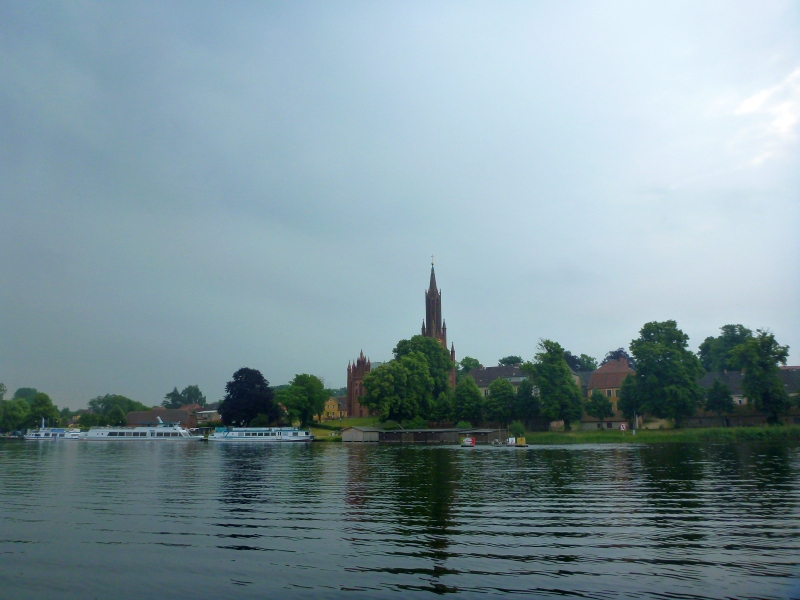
[{"x": 191, "y": 188}]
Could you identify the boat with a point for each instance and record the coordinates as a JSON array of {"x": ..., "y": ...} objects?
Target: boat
[
  {"x": 468, "y": 442},
  {"x": 260, "y": 435},
  {"x": 51, "y": 434},
  {"x": 158, "y": 432}
]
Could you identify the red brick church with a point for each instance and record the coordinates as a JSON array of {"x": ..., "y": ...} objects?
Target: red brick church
[{"x": 433, "y": 326}]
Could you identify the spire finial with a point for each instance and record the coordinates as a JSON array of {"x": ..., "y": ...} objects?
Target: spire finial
[{"x": 431, "y": 259}]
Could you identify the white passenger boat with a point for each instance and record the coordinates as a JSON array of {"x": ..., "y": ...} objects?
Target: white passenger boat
[
  {"x": 51, "y": 434},
  {"x": 166, "y": 432},
  {"x": 260, "y": 435}
]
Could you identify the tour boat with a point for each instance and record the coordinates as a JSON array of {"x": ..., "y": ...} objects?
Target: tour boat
[
  {"x": 52, "y": 434},
  {"x": 166, "y": 432},
  {"x": 260, "y": 435}
]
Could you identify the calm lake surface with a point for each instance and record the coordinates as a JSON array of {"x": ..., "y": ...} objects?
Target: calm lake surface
[{"x": 188, "y": 520}]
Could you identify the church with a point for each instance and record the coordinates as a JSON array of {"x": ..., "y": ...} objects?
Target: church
[{"x": 433, "y": 326}]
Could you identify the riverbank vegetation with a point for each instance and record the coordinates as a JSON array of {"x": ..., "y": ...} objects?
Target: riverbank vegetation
[{"x": 656, "y": 436}]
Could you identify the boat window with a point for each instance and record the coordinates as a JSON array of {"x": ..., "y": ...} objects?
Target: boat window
[
  {"x": 159, "y": 434},
  {"x": 110, "y": 433}
]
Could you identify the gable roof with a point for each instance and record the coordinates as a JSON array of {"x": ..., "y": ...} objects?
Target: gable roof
[{"x": 610, "y": 375}]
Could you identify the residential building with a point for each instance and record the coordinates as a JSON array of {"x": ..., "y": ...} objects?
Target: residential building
[
  {"x": 484, "y": 376},
  {"x": 608, "y": 379}
]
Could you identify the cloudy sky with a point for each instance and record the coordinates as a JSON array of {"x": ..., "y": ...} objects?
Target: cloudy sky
[{"x": 187, "y": 188}]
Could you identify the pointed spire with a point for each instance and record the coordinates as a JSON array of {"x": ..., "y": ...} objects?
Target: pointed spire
[{"x": 432, "y": 286}]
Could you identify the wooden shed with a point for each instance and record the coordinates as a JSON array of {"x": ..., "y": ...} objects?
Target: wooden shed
[{"x": 361, "y": 434}]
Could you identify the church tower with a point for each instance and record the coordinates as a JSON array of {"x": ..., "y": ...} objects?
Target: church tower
[{"x": 434, "y": 326}]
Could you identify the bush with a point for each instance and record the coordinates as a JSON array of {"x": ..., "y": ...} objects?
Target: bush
[
  {"x": 517, "y": 429},
  {"x": 463, "y": 425},
  {"x": 415, "y": 423}
]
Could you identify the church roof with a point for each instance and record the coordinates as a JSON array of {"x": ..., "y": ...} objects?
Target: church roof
[{"x": 432, "y": 287}]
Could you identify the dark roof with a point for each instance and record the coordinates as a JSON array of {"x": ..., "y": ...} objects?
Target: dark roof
[
  {"x": 733, "y": 379},
  {"x": 610, "y": 375},
  {"x": 483, "y": 376}
]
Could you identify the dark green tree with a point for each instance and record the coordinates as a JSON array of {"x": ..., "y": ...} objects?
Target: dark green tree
[
  {"x": 508, "y": 361},
  {"x": 500, "y": 401},
  {"x": 3, "y": 390},
  {"x": 599, "y": 406},
  {"x": 617, "y": 354},
  {"x": 759, "y": 358},
  {"x": 14, "y": 414},
  {"x": 42, "y": 408},
  {"x": 192, "y": 395},
  {"x": 247, "y": 395},
  {"x": 666, "y": 371},
  {"x": 629, "y": 402},
  {"x": 468, "y": 402},
  {"x": 103, "y": 404},
  {"x": 560, "y": 395},
  {"x": 442, "y": 409},
  {"x": 719, "y": 399},
  {"x": 25, "y": 393},
  {"x": 526, "y": 402},
  {"x": 517, "y": 429},
  {"x": 438, "y": 359},
  {"x": 115, "y": 417},
  {"x": 173, "y": 399},
  {"x": 402, "y": 389},
  {"x": 715, "y": 352},
  {"x": 584, "y": 362}
]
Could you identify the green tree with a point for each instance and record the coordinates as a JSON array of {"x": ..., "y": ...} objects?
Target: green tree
[
  {"x": 442, "y": 409},
  {"x": 438, "y": 359},
  {"x": 103, "y": 404},
  {"x": 719, "y": 398},
  {"x": 560, "y": 395},
  {"x": 666, "y": 371},
  {"x": 247, "y": 395},
  {"x": 402, "y": 389},
  {"x": 25, "y": 393},
  {"x": 192, "y": 395},
  {"x": 42, "y": 408},
  {"x": 759, "y": 358},
  {"x": 629, "y": 402},
  {"x": 172, "y": 399},
  {"x": 500, "y": 401},
  {"x": 3, "y": 390},
  {"x": 599, "y": 406},
  {"x": 90, "y": 419},
  {"x": 517, "y": 429},
  {"x": 617, "y": 354},
  {"x": 14, "y": 414},
  {"x": 584, "y": 362},
  {"x": 116, "y": 417},
  {"x": 508, "y": 361},
  {"x": 468, "y": 401},
  {"x": 304, "y": 398},
  {"x": 715, "y": 352},
  {"x": 466, "y": 365},
  {"x": 526, "y": 403}
]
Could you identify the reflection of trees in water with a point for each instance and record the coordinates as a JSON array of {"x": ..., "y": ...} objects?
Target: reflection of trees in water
[{"x": 409, "y": 493}]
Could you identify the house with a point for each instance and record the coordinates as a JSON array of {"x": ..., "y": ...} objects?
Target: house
[
  {"x": 608, "y": 379},
  {"x": 207, "y": 416},
  {"x": 335, "y": 408},
  {"x": 484, "y": 376}
]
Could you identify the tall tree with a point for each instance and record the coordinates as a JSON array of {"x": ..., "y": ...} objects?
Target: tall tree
[
  {"x": 599, "y": 406},
  {"x": 666, "y": 371},
  {"x": 508, "y": 361},
  {"x": 172, "y": 399},
  {"x": 500, "y": 401},
  {"x": 305, "y": 397},
  {"x": 560, "y": 395},
  {"x": 468, "y": 402},
  {"x": 192, "y": 395},
  {"x": 42, "y": 408},
  {"x": 584, "y": 362},
  {"x": 14, "y": 414},
  {"x": 719, "y": 398},
  {"x": 103, "y": 404},
  {"x": 715, "y": 352},
  {"x": 402, "y": 389},
  {"x": 759, "y": 358},
  {"x": 630, "y": 404},
  {"x": 617, "y": 354},
  {"x": 526, "y": 402},
  {"x": 25, "y": 393},
  {"x": 247, "y": 395},
  {"x": 3, "y": 390},
  {"x": 442, "y": 409},
  {"x": 438, "y": 359}
]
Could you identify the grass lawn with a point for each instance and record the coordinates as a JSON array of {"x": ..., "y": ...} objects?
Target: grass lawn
[{"x": 650, "y": 436}]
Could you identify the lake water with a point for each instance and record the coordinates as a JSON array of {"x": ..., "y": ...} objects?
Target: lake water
[{"x": 188, "y": 520}]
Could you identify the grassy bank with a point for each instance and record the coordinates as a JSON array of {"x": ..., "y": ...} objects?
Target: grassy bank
[{"x": 715, "y": 434}]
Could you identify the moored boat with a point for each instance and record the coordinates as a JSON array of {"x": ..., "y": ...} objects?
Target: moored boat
[
  {"x": 468, "y": 442},
  {"x": 166, "y": 432},
  {"x": 260, "y": 435},
  {"x": 51, "y": 434}
]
